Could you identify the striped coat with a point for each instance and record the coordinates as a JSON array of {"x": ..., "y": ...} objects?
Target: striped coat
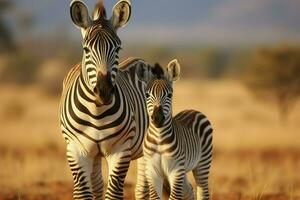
[
  {"x": 176, "y": 145},
  {"x": 114, "y": 131},
  {"x": 102, "y": 108}
]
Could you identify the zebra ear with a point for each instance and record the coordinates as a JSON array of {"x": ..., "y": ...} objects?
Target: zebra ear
[
  {"x": 173, "y": 70},
  {"x": 121, "y": 14},
  {"x": 143, "y": 72},
  {"x": 79, "y": 14}
]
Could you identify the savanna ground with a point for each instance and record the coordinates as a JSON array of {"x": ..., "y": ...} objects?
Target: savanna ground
[{"x": 256, "y": 156}]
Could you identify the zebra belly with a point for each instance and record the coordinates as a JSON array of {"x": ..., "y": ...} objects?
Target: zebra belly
[
  {"x": 190, "y": 146},
  {"x": 192, "y": 156}
]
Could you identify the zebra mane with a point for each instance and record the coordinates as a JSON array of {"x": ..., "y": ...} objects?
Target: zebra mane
[
  {"x": 99, "y": 10},
  {"x": 158, "y": 71}
]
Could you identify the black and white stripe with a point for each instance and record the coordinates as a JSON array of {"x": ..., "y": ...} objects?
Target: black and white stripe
[
  {"x": 176, "y": 145},
  {"x": 102, "y": 108}
]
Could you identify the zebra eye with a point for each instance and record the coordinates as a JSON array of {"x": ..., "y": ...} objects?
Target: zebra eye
[
  {"x": 170, "y": 95},
  {"x": 86, "y": 50},
  {"x": 147, "y": 95}
]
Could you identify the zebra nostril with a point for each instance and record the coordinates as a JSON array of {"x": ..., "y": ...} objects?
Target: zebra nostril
[
  {"x": 158, "y": 116},
  {"x": 160, "y": 109}
]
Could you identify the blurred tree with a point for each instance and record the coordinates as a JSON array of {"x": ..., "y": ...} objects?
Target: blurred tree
[
  {"x": 6, "y": 40},
  {"x": 275, "y": 74},
  {"x": 237, "y": 61},
  {"x": 215, "y": 61}
]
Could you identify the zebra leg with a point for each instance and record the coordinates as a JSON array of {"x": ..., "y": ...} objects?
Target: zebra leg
[
  {"x": 154, "y": 179},
  {"x": 141, "y": 189},
  {"x": 201, "y": 177},
  {"x": 155, "y": 183},
  {"x": 97, "y": 180},
  {"x": 188, "y": 193},
  {"x": 81, "y": 166},
  {"x": 118, "y": 164},
  {"x": 176, "y": 183}
]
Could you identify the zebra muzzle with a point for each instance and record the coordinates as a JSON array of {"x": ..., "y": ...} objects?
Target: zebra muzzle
[
  {"x": 158, "y": 117},
  {"x": 104, "y": 89}
]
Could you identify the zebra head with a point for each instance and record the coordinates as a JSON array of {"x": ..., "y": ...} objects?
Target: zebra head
[
  {"x": 101, "y": 45},
  {"x": 159, "y": 93}
]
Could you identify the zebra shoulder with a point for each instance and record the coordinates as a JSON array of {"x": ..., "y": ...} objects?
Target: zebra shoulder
[
  {"x": 188, "y": 117},
  {"x": 131, "y": 63},
  {"x": 72, "y": 74}
]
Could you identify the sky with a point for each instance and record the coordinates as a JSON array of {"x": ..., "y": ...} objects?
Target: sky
[{"x": 182, "y": 21}]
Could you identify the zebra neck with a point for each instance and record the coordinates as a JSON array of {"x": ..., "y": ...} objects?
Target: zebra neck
[
  {"x": 157, "y": 140},
  {"x": 87, "y": 98},
  {"x": 161, "y": 132}
]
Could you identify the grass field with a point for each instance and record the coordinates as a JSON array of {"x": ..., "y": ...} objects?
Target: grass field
[{"x": 256, "y": 157}]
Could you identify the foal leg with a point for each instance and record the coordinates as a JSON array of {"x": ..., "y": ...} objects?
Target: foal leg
[
  {"x": 201, "y": 173},
  {"x": 188, "y": 193},
  {"x": 176, "y": 180}
]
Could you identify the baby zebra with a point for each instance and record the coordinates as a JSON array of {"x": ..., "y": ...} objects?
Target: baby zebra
[{"x": 175, "y": 146}]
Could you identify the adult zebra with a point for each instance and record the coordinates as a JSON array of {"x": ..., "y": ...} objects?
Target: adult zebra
[
  {"x": 102, "y": 109},
  {"x": 175, "y": 146}
]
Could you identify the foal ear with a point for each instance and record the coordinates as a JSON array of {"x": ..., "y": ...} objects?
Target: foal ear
[
  {"x": 173, "y": 70},
  {"x": 121, "y": 14},
  {"x": 79, "y": 14}
]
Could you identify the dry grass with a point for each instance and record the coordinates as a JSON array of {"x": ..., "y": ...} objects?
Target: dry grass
[{"x": 257, "y": 157}]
